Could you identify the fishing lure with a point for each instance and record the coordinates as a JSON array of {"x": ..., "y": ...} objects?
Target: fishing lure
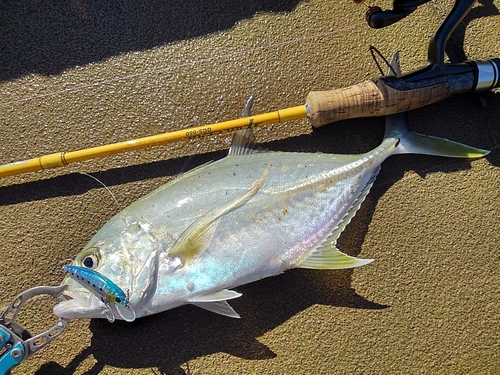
[{"x": 111, "y": 294}]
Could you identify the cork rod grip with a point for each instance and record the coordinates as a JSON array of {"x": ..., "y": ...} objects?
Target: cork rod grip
[{"x": 369, "y": 98}]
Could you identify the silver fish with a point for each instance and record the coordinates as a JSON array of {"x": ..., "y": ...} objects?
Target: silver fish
[{"x": 251, "y": 215}]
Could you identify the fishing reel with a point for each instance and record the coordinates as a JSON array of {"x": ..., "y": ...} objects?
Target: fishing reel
[{"x": 378, "y": 18}]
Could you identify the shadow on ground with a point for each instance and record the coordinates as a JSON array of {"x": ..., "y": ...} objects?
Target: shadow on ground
[
  {"x": 48, "y": 37},
  {"x": 169, "y": 339},
  {"x": 455, "y": 46}
]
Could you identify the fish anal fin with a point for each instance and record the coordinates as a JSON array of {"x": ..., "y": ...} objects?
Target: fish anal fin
[
  {"x": 326, "y": 255},
  {"x": 329, "y": 257},
  {"x": 331, "y": 238}
]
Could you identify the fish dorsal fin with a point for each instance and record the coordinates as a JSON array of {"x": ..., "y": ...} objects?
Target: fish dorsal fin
[
  {"x": 217, "y": 302},
  {"x": 243, "y": 142},
  {"x": 196, "y": 238},
  {"x": 326, "y": 255}
]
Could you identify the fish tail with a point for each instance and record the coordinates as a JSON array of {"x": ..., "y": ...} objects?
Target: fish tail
[
  {"x": 414, "y": 143},
  {"x": 409, "y": 142}
]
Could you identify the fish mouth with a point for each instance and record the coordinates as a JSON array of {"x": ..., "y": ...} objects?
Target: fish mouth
[{"x": 79, "y": 302}]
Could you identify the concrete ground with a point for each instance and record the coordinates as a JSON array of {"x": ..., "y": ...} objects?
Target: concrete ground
[{"x": 79, "y": 74}]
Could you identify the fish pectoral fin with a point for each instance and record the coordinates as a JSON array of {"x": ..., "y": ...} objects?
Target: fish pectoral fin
[
  {"x": 217, "y": 302},
  {"x": 194, "y": 240},
  {"x": 329, "y": 257},
  {"x": 197, "y": 237}
]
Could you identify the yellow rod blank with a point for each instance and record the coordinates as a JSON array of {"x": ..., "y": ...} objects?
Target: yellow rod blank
[{"x": 64, "y": 158}]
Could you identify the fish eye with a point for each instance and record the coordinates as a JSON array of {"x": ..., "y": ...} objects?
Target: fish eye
[
  {"x": 89, "y": 262},
  {"x": 90, "y": 258},
  {"x": 118, "y": 300}
]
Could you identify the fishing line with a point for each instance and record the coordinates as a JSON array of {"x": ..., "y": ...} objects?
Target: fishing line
[
  {"x": 181, "y": 65},
  {"x": 102, "y": 183}
]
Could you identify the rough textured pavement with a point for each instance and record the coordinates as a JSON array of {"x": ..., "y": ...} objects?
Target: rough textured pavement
[{"x": 80, "y": 74}]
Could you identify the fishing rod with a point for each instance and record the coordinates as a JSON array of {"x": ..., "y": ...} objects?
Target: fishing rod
[{"x": 380, "y": 96}]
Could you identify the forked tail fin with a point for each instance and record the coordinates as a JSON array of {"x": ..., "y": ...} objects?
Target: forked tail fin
[{"x": 415, "y": 143}]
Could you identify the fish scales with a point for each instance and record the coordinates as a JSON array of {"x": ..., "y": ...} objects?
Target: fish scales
[{"x": 257, "y": 239}]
